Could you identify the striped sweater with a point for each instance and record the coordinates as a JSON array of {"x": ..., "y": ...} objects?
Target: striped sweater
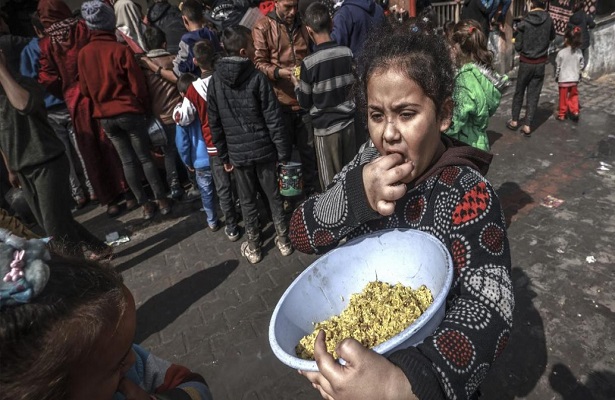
[{"x": 324, "y": 84}]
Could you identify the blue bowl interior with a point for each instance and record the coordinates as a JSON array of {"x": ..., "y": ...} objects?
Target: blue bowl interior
[{"x": 408, "y": 256}]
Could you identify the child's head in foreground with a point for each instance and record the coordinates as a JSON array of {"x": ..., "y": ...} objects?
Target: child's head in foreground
[
  {"x": 72, "y": 338},
  {"x": 237, "y": 42},
  {"x": 405, "y": 87},
  {"x": 470, "y": 44}
]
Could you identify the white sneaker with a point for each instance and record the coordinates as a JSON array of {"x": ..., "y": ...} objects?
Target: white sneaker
[
  {"x": 285, "y": 249},
  {"x": 253, "y": 256}
]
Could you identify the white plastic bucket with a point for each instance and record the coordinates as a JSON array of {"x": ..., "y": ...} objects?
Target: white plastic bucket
[{"x": 411, "y": 257}]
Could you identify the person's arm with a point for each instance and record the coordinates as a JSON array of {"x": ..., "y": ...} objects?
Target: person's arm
[
  {"x": 262, "y": 55},
  {"x": 218, "y": 137},
  {"x": 273, "y": 118},
  {"x": 184, "y": 145},
  {"x": 347, "y": 191},
  {"x": 518, "y": 35},
  {"x": 136, "y": 77},
  {"x": 303, "y": 88},
  {"x": 591, "y": 24},
  {"x": 48, "y": 74},
  {"x": 166, "y": 74},
  {"x": 558, "y": 65},
  {"x": 13, "y": 178},
  {"x": 504, "y": 10},
  {"x": 465, "y": 108},
  {"x": 180, "y": 63},
  {"x": 82, "y": 66},
  {"x": 552, "y": 33},
  {"x": 162, "y": 380},
  {"x": 18, "y": 96}
]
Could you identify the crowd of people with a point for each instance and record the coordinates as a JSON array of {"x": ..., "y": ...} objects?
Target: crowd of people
[{"x": 388, "y": 117}]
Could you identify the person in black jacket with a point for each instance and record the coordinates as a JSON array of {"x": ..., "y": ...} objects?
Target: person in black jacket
[
  {"x": 532, "y": 39},
  {"x": 167, "y": 18},
  {"x": 248, "y": 131},
  {"x": 584, "y": 21}
]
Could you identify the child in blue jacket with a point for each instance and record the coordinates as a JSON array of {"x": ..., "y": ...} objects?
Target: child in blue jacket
[{"x": 193, "y": 151}]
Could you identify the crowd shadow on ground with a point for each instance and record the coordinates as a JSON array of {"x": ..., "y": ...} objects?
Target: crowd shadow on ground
[
  {"x": 512, "y": 199},
  {"x": 162, "y": 309},
  {"x": 518, "y": 370},
  {"x": 600, "y": 385},
  {"x": 493, "y": 136},
  {"x": 157, "y": 243}
]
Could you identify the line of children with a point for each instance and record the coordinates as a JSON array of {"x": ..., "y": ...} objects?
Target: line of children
[
  {"x": 248, "y": 131},
  {"x": 193, "y": 151},
  {"x": 569, "y": 65}
]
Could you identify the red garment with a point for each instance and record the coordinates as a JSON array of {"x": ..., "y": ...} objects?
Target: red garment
[
  {"x": 568, "y": 100},
  {"x": 111, "y": 77},
  {"x": 52, "y": 11},
  {"x": 200, "y": 104},
  {"x": 58, "y": 73}
]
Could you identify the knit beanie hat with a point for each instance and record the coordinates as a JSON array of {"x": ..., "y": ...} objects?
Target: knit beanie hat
[{"x": 98, "y": 15}]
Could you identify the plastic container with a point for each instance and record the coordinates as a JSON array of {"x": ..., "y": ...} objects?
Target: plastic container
[
  {"x": 290, "y": 179},
  {"x": 408, "y": 256}
]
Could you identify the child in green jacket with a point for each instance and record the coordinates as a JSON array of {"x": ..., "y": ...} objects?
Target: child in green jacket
[{"x": 478, "y": 88}]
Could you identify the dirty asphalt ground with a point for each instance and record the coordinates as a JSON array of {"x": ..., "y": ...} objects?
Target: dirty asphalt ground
[{"x": 202, "y": 305}]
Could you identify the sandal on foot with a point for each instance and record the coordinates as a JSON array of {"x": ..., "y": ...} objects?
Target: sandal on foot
[
  {"x": 526, "y": 131},
  {"x": 511, "y": 126}
]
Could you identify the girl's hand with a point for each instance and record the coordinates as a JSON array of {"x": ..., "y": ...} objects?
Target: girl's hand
[
  {"x": 366, "y": 375},
  {"x": 382, "y": 181},
  {"x": 132, "y": 391}
]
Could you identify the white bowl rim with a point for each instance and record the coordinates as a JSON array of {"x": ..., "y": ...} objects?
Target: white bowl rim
[{"x": 309, "y": 365}]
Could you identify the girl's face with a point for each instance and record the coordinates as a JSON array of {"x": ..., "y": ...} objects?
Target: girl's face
[
  {"x": 402, "y": 119},
  {"x": 113, "y": 357}
]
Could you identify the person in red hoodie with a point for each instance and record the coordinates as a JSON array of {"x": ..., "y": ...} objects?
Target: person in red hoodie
[
  {"x": 110, "y": 75},
  {"x": 65, "y": 35}
]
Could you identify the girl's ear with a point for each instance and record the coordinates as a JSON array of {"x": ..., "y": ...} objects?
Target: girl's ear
[{"x": 446, "y": 114}]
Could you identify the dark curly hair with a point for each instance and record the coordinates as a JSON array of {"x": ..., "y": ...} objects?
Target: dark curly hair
[
  {"x": 41, "y": 342},
  {"x": 414, "y": 50}
]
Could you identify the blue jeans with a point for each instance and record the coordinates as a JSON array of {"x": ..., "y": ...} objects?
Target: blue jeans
[{"x": 205, "y": 182}]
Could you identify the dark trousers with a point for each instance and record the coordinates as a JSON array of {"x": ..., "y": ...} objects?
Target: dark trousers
[
  {"x": 530, "y": 78},
  {"x": 299, "y": 127},
  {"x": 248, "y": 178},
  {"x": 47, "y": 191},
  {"x": 222, "y": 181},
  {"x": 170, "y": 157},
  {"x": 128, "y": 133}
]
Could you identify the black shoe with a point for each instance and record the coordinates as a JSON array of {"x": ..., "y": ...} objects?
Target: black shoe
[
  {"x": 177, "y": 192},
  {"x": 574, "y": 117},
  {"x": 232, "y": 235}
]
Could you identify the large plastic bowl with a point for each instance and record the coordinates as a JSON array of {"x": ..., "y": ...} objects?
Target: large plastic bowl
[{"x": 411, "y": 257}]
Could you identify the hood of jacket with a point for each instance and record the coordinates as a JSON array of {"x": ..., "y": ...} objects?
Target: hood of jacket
[
  {"x": 234, "y": 70},
  {"x": 537, "y": 17},
  {"x": 458, "y": 154},
  {"x": 367, "y": 5},
  {"x": 492, "y": 93},
  {"x": 157, "y": 11}
]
